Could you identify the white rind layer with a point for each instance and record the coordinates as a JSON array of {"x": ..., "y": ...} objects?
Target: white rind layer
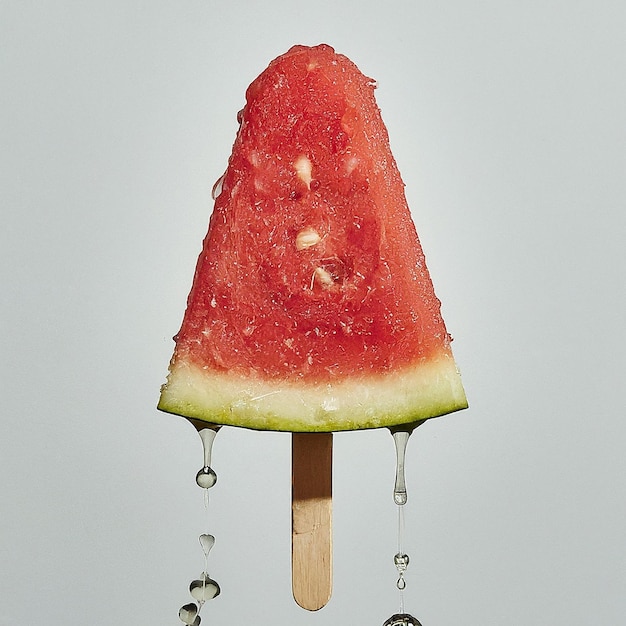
[{"x": 428, "y": 389}]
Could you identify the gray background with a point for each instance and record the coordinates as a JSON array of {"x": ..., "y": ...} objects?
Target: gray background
[{"x": 508, "y": 121}]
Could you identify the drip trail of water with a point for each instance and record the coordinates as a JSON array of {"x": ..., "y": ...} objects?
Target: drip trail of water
[
  {"x": 401, "y": 560},
  {"x": 203, "y": 588}
]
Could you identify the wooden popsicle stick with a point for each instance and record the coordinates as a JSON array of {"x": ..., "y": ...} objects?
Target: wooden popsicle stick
[{"x": 311, "y": 519}]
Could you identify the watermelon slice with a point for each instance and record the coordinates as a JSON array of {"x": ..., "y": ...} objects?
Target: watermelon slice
[{"x": 311, "y": 307}]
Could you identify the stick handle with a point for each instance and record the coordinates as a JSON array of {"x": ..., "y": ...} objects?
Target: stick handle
[{"x": 311, "y": 519}]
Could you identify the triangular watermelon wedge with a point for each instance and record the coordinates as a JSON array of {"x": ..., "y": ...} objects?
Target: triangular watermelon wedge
[{"x": 311, "y": 307}]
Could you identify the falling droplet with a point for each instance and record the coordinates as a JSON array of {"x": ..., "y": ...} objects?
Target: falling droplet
[
  {"x": 204, "y": 589},
  {"x": 402, "y": 619},
  {"x": 401, "y": 561},
  {"x": 401, "y": 436},
  {"x": 206, "y": 477},
  {"x": 189, "y": 615},
  {"x": 207, "y": 542}
]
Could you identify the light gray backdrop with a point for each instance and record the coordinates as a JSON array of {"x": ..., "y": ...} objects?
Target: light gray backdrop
[{"x": 508, "y": 123}]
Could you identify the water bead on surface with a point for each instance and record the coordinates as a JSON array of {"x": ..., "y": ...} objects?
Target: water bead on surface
[
  {"x": 402, "y": 619},
  {"x": 217, "y": 187},
  {"x": 204, "y": 589},
  {"x": 206, "y": 477},
  {"x": 189, "y": 615}
]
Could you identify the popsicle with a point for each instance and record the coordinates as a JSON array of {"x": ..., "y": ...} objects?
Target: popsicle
[{"x": 312, "y": 309}]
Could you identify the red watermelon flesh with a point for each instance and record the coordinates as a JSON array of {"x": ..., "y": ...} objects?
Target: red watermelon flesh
[{"x": 311, "y": 307}]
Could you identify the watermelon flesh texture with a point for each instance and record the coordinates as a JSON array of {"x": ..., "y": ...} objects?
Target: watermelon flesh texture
[{"x": 311, "y": 307}]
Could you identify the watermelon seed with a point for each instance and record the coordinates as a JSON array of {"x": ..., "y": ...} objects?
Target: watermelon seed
[
  {"x": 323, "y": 276},
  {"x": 304, "y": 168},
  {"x": 351, "y": 163},
  {"x": 307, "y": 238},
  {"x": 331, "y": 270}
]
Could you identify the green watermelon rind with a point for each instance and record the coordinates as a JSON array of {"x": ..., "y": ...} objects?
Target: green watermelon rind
[{"x": 429, "y": 389}]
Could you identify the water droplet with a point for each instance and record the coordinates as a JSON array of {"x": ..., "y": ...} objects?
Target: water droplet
[
  {"x": 217, "y": 187},
  {"x": 207, "y": 435},
  {"x": 204, "y": 589},
  {"x": 207, "y": 542},
  {"x": 206, "y": 477},
  {"x": 402, "y": 619},
  {"x": 189, "y": 615},
  {"x": 400, "y": 438},
  {"x": 401, "y": 561}
]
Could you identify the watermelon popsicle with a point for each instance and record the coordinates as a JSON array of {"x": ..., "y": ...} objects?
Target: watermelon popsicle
[{"x": 311, "y": 309}]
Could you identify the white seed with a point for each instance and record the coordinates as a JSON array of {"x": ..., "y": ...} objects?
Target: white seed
[
  {"x": 303, "y": 167},
  {"x": 324, "y": 277},
  {"x": 306, "y": 238},
  {"x": 254, "y": 158},
  {"x": 351, "y": 163}
]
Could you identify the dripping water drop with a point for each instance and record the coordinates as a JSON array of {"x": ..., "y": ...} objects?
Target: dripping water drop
[
  {"x": 206, "y": 477},
  {"x": 206, "y": 542},
  {"x": 401, "y": 561},
  {"x": 400, "y": 438},
  {"x": 189, "y": 615},
  {"x": 207, "y": 435},
  {"x": 204, "y": 588}
]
